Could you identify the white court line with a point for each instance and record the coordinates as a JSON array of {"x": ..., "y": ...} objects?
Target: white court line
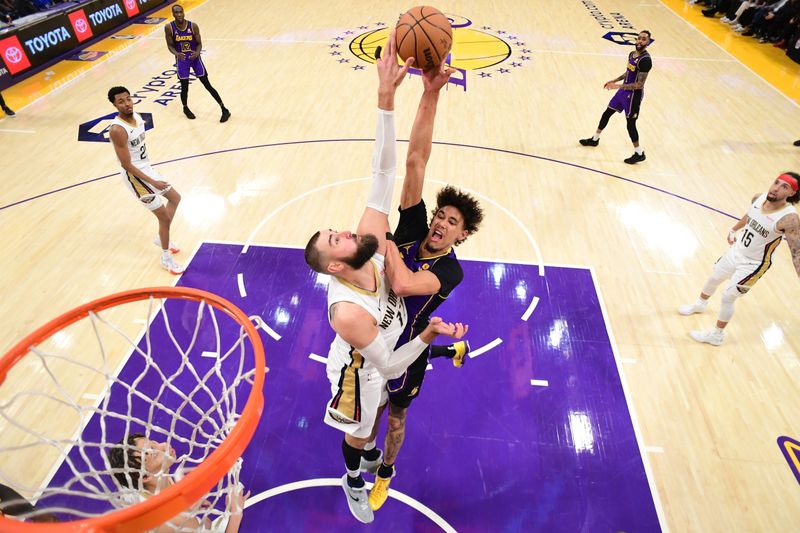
[
  {"x": 318, "y": 358},
  {"x": 90, "y": 396},
  {"x": 240, "y": 282},
  {"x": 337, "y": 482},
  {"x": 522, "y": 226},
  {"x": 485, "y": 348},
  {"x": 539, "y": 383},
  {"x": 635, "y": 422},
  {"x": 17, "y": 131},
  {"x": 527, "y": 314},
  {"x": 266, "y": 40},
  {"x": 757, "y": 75},
  {"x": 570, "y": 52},
  {"x": 210, "y": 355},
  {"x": 654, "y": 449},
  {"x": 627, "y": 360},
  {"x": 263, "y": 325}
]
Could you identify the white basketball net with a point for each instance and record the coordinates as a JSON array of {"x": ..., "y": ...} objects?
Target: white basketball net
[{"x": 72, "y": 399}]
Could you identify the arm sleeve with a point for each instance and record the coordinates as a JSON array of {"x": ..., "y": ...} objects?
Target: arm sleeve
[
  {"x": 645, "y": 64},
  {"x": 384, "y": 163},
  {"x": 392, "y": 364}
]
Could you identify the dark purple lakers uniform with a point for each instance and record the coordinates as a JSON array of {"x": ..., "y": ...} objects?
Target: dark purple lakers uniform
[
  {"x": 186, "y": 44},
  {"x": 629, "y": 101},
  {"x": 411, "y": 231}
]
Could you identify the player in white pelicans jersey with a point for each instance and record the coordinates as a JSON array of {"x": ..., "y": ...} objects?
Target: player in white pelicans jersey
[
  {"x": 362, "y": 309},
  {"x": 127, "y": 136},
  {"x": 770, "y": 218}
]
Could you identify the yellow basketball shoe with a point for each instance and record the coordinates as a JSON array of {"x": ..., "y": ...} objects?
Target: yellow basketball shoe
[
  {"x": 462, "y": 349},
  {"x": 380, "y": 491}
]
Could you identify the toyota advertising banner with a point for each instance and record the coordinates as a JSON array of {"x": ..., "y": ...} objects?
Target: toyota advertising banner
[
  {"x": 49, "y": 38},
  {"x": 105, "y": 15},
  {"x": 13, "y": 55}
]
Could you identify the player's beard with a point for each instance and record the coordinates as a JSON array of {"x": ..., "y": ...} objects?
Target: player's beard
[
  {"x": 365, "y": 249},
  {"x": 771, "y": 197},
  {"x": 640, "y": 47}
]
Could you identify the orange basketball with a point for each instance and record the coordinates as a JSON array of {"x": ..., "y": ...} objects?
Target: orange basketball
[{"x": 424, "y": 33}]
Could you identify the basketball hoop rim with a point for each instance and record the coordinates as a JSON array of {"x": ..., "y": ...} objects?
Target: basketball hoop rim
[{"x": 180, "y": 496}]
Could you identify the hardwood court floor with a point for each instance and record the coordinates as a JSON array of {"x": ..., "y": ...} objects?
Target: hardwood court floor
[{"x": 714, "y": 133}]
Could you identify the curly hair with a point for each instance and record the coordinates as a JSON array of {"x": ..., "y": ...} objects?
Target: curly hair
[
  {"x": 121, "y": 456},
  {"x": 466, "y": 204}
]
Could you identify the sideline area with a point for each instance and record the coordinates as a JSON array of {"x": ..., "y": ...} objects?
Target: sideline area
[
  {"x": 82, "y": 60},
  {"x": 770, "y": 63}
]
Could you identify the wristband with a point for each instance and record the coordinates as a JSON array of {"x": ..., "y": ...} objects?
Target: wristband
[{"x": 389, "y": 236}]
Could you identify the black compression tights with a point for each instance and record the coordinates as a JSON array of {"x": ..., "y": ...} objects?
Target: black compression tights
[
  {"x": 206, "y": 84},
  {"x": 607, "y": 114},
  {"x": 632, "y": 131}
]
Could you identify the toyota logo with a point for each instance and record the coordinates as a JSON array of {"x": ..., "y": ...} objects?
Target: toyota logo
[
  {"x": 130, "y": 3},
  {"x": 80, "y": 25},
  {"x": 13, "y": 54}
]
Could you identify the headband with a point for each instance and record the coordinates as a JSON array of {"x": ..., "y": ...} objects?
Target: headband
[{"x": 790, "y": 180}]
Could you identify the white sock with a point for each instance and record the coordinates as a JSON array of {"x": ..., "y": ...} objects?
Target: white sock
[
  {"x": 165, "y": 254},
  {"x": 596, "y": 137},
  {"x": 639, "y": 150},
  {"x": 701, "y": 302},
  {"x": 718, "y": 331}
]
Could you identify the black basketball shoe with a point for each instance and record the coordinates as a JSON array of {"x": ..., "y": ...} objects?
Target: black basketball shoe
[
  {"x": 635, "y": 158},
  {"x": 589, "y": 142}
]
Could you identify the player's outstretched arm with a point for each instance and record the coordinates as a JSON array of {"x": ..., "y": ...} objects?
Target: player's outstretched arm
[
  {"x": 357, "y": 328},
  {"x": 790, "y": 226},
  {"x": 421, "y": 139},
  {"x": 375, "y": 219}
]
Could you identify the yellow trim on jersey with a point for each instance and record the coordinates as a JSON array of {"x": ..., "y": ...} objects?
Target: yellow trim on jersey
[
  {"x": 365, "y": 291},
  {"x": 751, "y": 280},
  {"x": 347, "y": 401},
  {"x": 419, "y": 258},
  {"x": 139, "y": 187}
]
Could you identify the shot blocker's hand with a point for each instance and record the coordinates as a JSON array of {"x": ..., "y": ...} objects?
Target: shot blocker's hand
[
  {"x": 391, "y": 74},
  {"x": 434, "y": 79}
]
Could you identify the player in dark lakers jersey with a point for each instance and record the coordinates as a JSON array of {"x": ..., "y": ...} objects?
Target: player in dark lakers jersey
[
  {"x": 629, "y": 96},
  {"x": 423, "y": 269},
  {"x": 184, "y": 42}
]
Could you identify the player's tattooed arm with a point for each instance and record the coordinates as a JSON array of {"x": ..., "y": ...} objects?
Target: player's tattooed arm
[
  {"x": 610, "y": 84},
  {"x": 638, "y": 84},
  {"x": 790, "y": 226}
]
